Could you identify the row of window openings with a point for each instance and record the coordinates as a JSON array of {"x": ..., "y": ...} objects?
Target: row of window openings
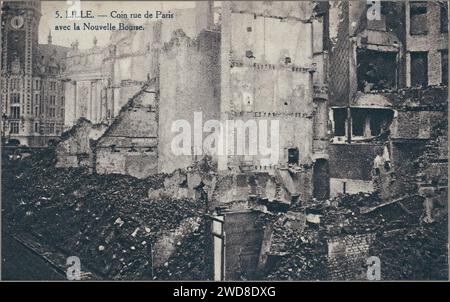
[
  {"x": 14, "y": 128},
  {"x": 38, "y": 85},
  {"x": 365, "y": 123},
  {"x": 16, "y": 84},
  {"x": 249, "y": 54},
  {"x": 418, "y": 19},
  {"x": 50, "y": 128},
  {"x": 419, "y": 68},
  {"x": 378, "y": 70},
  {"x": 15, "y": 99},
  {"x": 15, "y": 112}
]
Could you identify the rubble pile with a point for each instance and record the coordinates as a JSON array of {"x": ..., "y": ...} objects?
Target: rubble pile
[
  {"x": 416, "y": 253},
  {"x": 296, "y": 255},
  {"x": 188, "y": 260},
  {"x": 118, "y": 232},
  {"x": 367, "y": 213},
  {"x": 405, "y": 245},
  {"x": 196, "y": 181},
  {"x": 106, "y": 220}
]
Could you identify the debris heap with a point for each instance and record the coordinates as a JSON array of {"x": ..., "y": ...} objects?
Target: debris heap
[{"x": 106, "y": 220}]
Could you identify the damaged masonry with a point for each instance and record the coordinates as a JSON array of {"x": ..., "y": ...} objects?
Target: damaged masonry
[{"x": 362, "y": 108}]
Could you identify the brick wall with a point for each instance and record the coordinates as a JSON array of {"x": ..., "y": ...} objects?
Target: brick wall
[
  {"x": 352, "y": 161},
  {"x": 433, "y": 42},
  {"x": 432, "y": 179},
  {"x": 347, "y": 256},
  {"x": 339, "y": 54}
]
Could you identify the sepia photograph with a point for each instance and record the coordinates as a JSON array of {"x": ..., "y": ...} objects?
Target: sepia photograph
[{"x": 224, "y": 141}]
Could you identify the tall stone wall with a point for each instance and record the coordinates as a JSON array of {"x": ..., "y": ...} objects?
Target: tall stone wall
[{"x": 189, "y": 84}]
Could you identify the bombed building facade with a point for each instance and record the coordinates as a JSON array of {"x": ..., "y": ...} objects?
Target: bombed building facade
[
  {"x": 32, "y": 93},
  {"x": 352, "y": 86},
  {"x": 356, "y": 92},
  {"x": 228, "y": 65},
  {"x": 99, "y": 81},
  {"x": 389, "y": 77}
]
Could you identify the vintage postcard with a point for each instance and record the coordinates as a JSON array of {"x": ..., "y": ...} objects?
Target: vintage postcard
[{"x": 224, "y": 141}]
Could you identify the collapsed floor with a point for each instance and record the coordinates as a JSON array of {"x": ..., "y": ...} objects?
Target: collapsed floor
[{"x": 118, "y": 232}]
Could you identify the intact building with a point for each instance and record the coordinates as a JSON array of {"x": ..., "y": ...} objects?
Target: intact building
[{"x": 32, "y": 94}]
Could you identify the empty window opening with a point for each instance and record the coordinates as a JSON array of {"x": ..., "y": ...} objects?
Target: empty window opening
[
  {"x": 51, "y": 128},
  {"x": 15, "y": 98},
  {"x": 418, "y": 18},
  {"x": 287, "y": 60},
  {"x": 14, "y": 127},
  {"x": 13, "y": 142},
  {"x": 133, "y": 148},
  {"x": 293, "y": 155},
  {"x": 321, "y": 183},
  {"x": 380, "y": 120},
  {"x": 375, "y": 126},
  {"x": 249, "y": 29},
  {"x": 444, "y": 66},
  {"x": 339, "y": 117},
  {"x": 366, "y": 122},
  {"x": 358, "y": 122},
  {"x": 444, "y": 16},
  {"x": 376, "y": 70},
  {"x": 249, "y": 54},
  {"x": 419, "y": 68},
  {"x": 15, "y": 112}
]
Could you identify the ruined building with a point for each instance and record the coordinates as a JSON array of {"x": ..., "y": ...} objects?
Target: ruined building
[
  {"x": 358, "y": 89},
  {"x": 273, "y": 68},
  {"x": 388, "y": 93},
  {"x": 99, "y": 81},
  {"x": 241, "y": 66},
  {"x": 32, "y": 94},
  {"x": 360, "y": 94}
]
